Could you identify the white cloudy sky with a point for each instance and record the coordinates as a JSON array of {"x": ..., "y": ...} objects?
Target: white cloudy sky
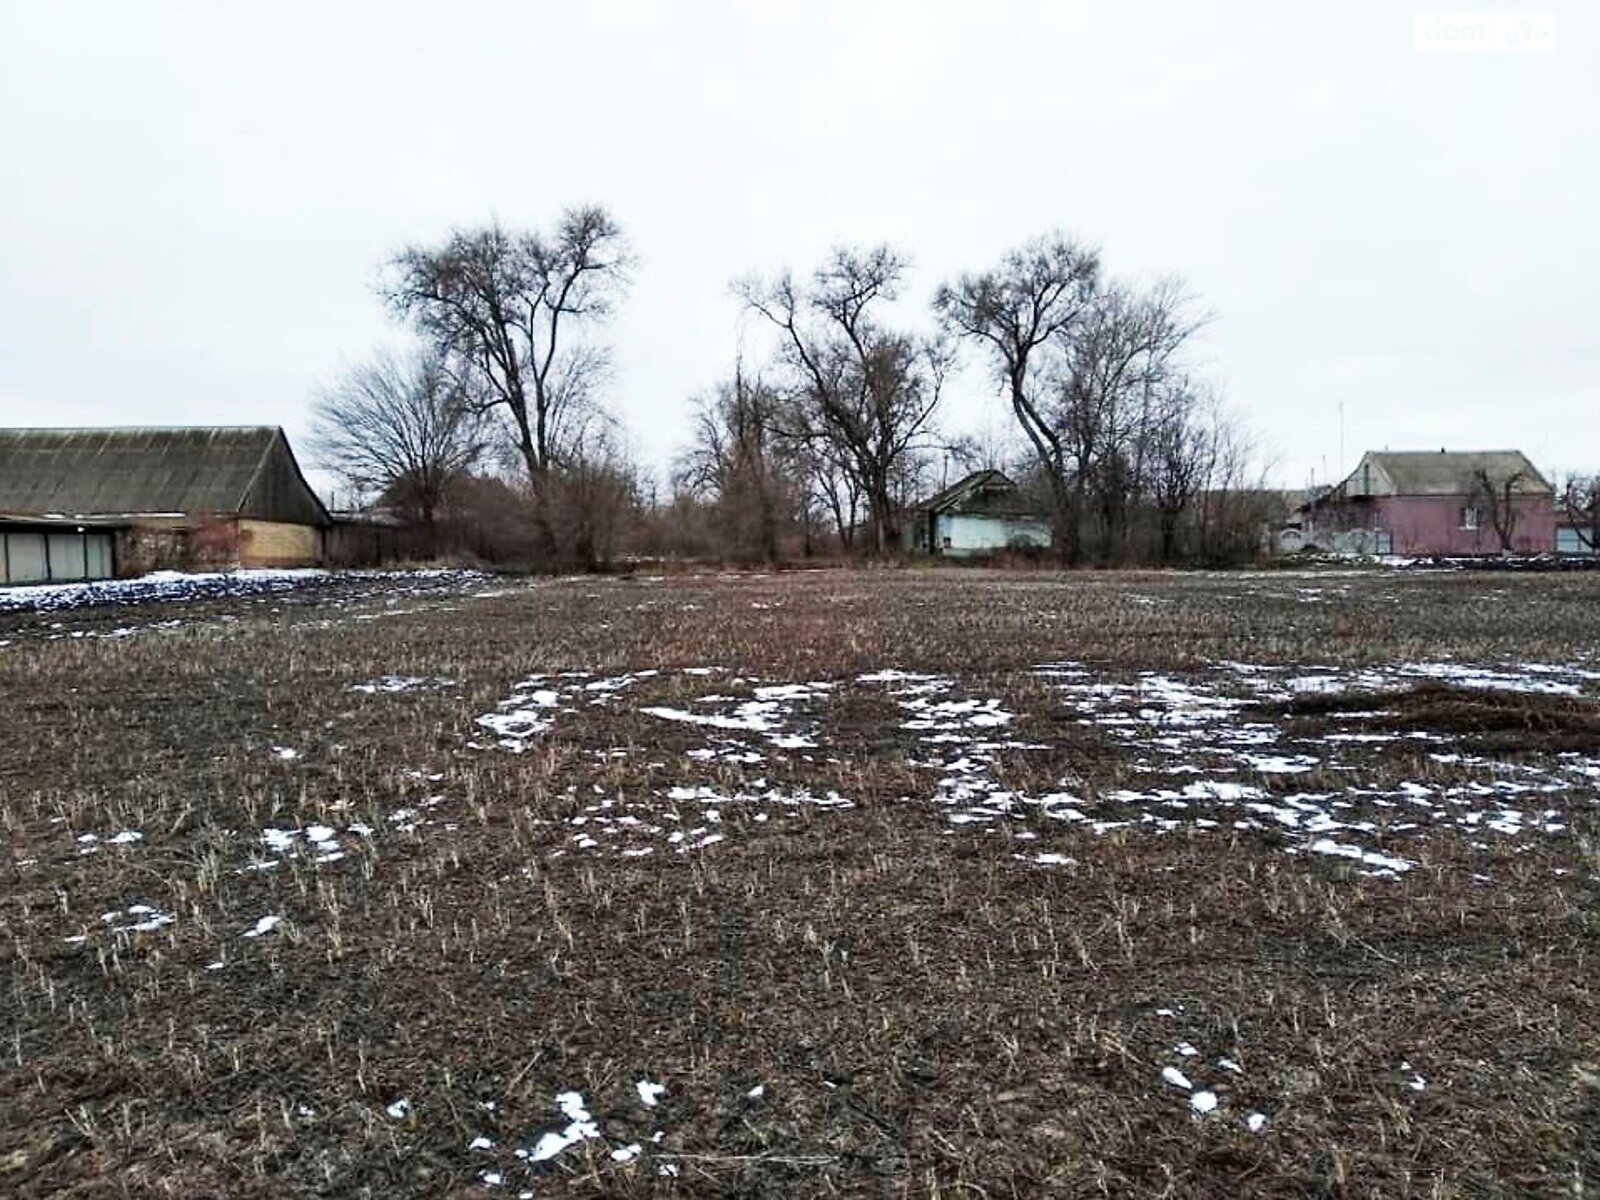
[{"x": 195, "y": 198}]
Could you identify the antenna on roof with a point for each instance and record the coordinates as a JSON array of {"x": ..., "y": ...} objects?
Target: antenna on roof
[{"x": 1341, "y": 439}]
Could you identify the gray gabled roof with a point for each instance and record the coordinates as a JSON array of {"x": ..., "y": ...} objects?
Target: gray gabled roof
[
  {"x": 190, "y": 471},
  {"x": 989, "y": 492},
  {"x": 1441, "y": 473}
]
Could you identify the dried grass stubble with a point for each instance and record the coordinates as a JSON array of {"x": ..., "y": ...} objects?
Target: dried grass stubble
[{"x": 926, "y": 1014}]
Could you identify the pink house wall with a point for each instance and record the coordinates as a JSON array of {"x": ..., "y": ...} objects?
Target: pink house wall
[{"x": 1432, "y": 525}]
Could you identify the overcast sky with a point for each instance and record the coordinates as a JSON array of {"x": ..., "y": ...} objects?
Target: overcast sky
[{"x": 195, "y": 199}]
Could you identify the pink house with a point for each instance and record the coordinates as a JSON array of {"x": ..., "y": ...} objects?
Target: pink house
[{"x": 1432, "y": 502}]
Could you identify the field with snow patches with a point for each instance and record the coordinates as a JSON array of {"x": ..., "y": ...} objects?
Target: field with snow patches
[{"x": 856, "y": 883}]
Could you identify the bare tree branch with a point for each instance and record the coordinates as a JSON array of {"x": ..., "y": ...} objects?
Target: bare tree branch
[
  {"x": 1037, "y": 294},
  {"x": 498, "y": 306},
  {"x": 402, "y": 428},
  {"x": 1581, "y": 500},
  {"x": 865, "y": 392}
]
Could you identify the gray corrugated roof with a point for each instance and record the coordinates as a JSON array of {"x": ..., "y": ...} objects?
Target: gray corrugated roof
[
  {"x": 1441, "y": 473},
  {"x": 194, "y": 471}
]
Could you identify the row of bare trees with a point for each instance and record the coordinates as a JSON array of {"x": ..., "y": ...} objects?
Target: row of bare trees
[
  {"x": 1128, "y": 452},
  {"x": 750, "y": 485},
  {"x": 1124, "y": 438},
  {"x": 504, "y": 382},
  {"x": 831, "y": 439},
  {"x": 861, "y": 393},
  {"x": 827, "y": 440}
]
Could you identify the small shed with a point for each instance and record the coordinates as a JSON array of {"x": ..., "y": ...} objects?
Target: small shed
[
  {"x": 92, "y": 503},
  {"x": 984, "y": 513}
]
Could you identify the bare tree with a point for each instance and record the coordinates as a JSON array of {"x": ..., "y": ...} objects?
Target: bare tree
[
  {"x": 1581, "y": 500},
  {"x": 868, "y": 392},
  {"x": 1235, "y": 506},
  {"x": 1015, "y": 311},
  {"x": 1496, "y": 494},
  {"x": 1113, "y": 366},
  {"x": 837, "y": 486},
  {"x": 741, "y": 465},
  {"x": 504, "y": 307},
  {"x": 597, "y": 500},
  {"x": 1181, "y": 455},
  {"x": 400, "y": 427},
  {"x": 1086, "y": 366},
  {"x": 992, "y": 447}
]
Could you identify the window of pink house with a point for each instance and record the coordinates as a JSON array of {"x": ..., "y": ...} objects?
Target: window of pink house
[{"x": 1469, "y": 518}]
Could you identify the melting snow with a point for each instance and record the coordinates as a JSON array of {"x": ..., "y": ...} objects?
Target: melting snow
[
  {"x": 1383, "y": 863},
  {"x": 1233, "y": 763},
  {"x": 1488, "y": 678},
  {"x": 401, "y": 683},
  {"x": 1197, "y": 728},
  {"x": 168, "y": 586},
  {"x": 321, "y": 841},
  {"x": 136, "y": 918},
  {"x": 580, "y": 1127},
  {"x": 1046, "y": 859}
]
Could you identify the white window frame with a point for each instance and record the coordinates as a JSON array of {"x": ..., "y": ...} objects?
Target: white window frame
[{"x": 1471, "y": 518}]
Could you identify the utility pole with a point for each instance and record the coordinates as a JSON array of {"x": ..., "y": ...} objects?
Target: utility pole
[{"x": 1341, "y": 439}]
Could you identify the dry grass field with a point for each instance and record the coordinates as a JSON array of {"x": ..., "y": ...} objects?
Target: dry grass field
[{"x": 879, "y": 883}]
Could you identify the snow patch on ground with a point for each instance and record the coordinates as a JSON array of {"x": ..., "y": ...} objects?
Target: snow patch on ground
[
  {"x": 580, "y": 1126},
  {"x": 178, "y": 586},
  {"x": 1241, "y": 761},
  {"x": 137, "y": 918},
  {"x": 389, "y": 684},
  {"x": 1235, "y": 755}
]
